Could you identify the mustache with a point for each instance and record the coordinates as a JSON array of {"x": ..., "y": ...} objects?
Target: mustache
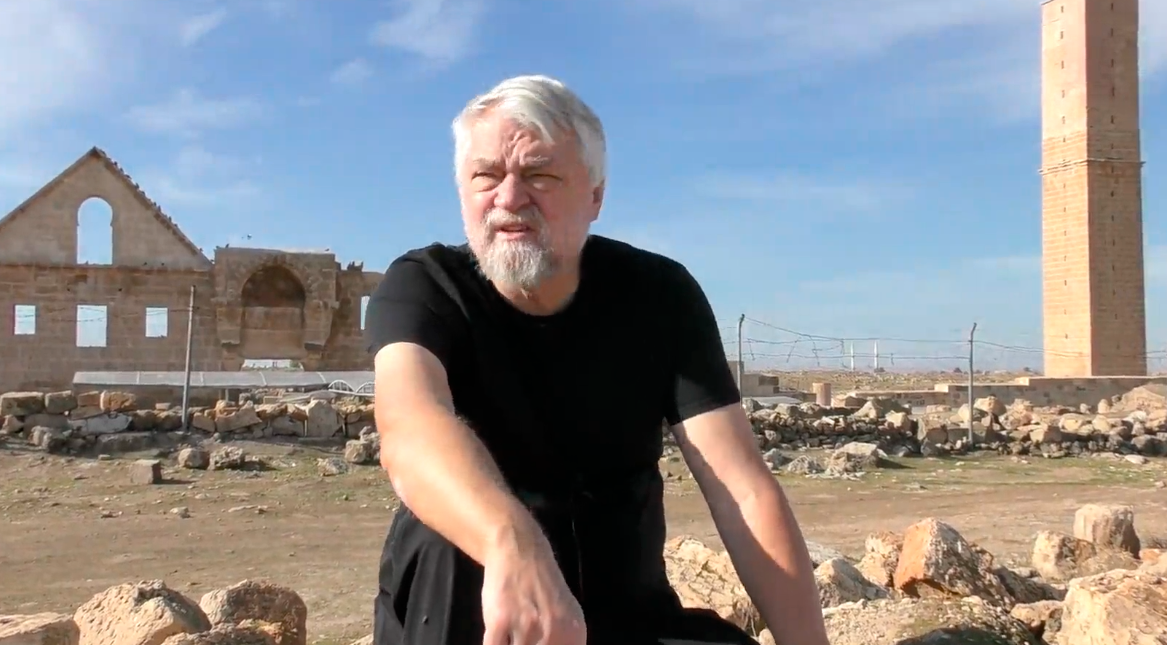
[{"x": 499, "y": 218}]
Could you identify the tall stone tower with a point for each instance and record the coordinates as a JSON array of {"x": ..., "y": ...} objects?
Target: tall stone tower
[{"x": 1094, "y": 301}]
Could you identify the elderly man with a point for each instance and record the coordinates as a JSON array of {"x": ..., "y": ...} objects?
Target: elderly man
[{"x": 522, "y": 380}]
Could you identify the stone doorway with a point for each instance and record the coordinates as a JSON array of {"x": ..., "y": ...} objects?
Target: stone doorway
[{"x": 273, "y": 301}]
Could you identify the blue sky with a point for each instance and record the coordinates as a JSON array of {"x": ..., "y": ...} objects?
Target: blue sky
[{"x": 842, "y": 168}]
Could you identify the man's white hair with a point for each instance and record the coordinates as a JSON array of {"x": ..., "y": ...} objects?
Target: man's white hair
[{"x": 546, "y": 106}]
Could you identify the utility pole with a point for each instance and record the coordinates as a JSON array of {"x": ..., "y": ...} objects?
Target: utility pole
[
  {"x": 189, "y": 345},
  {"x": 741, "y": 359},
  {"x": 971, "y": 379}
]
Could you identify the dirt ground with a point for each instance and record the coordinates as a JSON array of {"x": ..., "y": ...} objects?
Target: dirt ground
[{"x": 71, "y": 527}]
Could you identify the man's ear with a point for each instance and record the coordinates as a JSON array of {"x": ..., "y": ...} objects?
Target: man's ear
[{"x": 597, "y": 200}]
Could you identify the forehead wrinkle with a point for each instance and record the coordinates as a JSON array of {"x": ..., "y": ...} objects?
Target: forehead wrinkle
[
  {"x": 535, "y": 161},
  {"x": 527, "y": 162}
]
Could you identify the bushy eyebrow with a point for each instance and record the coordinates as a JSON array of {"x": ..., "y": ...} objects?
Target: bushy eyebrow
[{"x": 528, "y": 163}]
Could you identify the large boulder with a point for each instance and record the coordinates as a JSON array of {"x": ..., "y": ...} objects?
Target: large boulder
[
  {"x": 141, "y": 613},
  {"x": 704, "y": 578},
  {"x": 1114, "y": 608},
  {"x": 1108, "y": 527},
  {"x": 914, "y": 621},
  {"x": 278, "y": 608},
  {"x": 936, "y": 560},
  {"x": 39, "y": 629}
]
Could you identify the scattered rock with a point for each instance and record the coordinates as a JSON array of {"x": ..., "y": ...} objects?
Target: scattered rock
[
  {"x": 142, "y": 613},
  {"x": 936, "y": 560},
  {"x": 227, "y": 458},
  {"x": 840, "y": 582},
  {"x": 705, "y": 578},
  {"x": 331, "y": 466},
  {"x": 39, "y": 629},
  {"x": 1060, "y": 557},
  {"x": 146, "y": 472},
  {"x": 1114, "y": 608},
  {"x": 278, "y": 607},
  {"x": 881, "y": 557},
  {"x": 193, "y": 458},
  {"x": 1108, "y": 527}
]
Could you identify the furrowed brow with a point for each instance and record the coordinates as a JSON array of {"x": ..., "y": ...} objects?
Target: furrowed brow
[{"x": 535, "y": 163}]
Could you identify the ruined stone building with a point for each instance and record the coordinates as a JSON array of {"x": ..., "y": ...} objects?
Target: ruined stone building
[
  {"x": 258, "y": 304},
  {"x": 1094, "y": 301}
]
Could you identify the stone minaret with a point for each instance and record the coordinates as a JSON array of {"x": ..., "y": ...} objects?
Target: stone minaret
[{"x": 1094, "y": 301}]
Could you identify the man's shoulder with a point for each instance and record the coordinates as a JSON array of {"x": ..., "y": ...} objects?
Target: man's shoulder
[
  {"x": 637, "y": 266},
  {"x": 434, "y": 256},
  {"x": 426, "y": 274}
]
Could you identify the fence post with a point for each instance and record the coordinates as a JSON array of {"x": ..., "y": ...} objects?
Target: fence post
[
  {"x": 971, "y": 379},
  {"x": 741, "y": 359}
]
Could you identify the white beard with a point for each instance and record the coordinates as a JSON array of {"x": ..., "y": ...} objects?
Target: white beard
[{"x": 524, "y": 264}]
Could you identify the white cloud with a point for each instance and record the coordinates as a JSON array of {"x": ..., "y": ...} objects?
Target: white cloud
[
  {"x": 827, "y": 195},
  {"x": 197, "y": 177},
  {"x": 187, "y": 114},
  {"x": 197, "y": 27},
  {"x": 439, "y": 31},
  {"x": 354, "y": 72},
  {"x": 58, "y": 57},
  {"x": 762, "y": 35},
  {"x": 984, "y": 51}
]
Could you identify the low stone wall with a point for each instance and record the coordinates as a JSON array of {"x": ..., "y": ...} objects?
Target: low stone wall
[
  {"x": 1038, "y": 390},
  {"x": 114, "y": 422},
  {"x": 1136, "y": 424},
  {"x": 925, "y": 584}
]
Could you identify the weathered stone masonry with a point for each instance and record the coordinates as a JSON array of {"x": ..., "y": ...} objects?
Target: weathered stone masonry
[
  {"x": 1094, "y": 307},
  {"x": 250, "y": 303}
]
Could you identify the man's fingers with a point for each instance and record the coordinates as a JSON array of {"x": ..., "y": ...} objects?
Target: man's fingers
[
  {"x": 527, "y": 630},
  {"x": 565, "y": 632},
  {"x": 496, "y": 634}
]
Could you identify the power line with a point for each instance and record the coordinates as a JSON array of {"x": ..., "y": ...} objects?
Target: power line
[{"x": 41, "y": 316}]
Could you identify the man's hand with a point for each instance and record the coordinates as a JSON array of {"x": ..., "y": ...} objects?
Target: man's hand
[{"x": 525, "y": 600}]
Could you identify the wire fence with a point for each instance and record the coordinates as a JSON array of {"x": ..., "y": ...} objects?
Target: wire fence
[{"x": 766, "y": 346}]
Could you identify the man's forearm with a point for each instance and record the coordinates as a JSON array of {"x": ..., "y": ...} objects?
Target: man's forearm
[
  {"x": 770, "y": 555},
  {"x": 445, "y": 475}
]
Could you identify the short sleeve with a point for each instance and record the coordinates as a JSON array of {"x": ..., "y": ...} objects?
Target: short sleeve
[
  {"x": 702, "y": 379},
  {"x": 409, "y": 306}
]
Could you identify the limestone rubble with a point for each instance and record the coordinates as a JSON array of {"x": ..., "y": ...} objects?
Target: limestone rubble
[
  {"x": 926, "y": 584},
  {"x": 1095, "y": 584},
  {"x": 860, "y": 433}
]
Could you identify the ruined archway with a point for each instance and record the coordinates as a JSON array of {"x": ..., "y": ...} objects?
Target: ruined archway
[{"x": 273, "y": 300}]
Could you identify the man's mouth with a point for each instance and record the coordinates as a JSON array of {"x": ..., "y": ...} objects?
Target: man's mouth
[{"x": 514, "y": 229}]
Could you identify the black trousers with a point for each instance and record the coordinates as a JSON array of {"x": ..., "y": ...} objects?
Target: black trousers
[
  {"x": 431, "y": 594},
  {"x": 691, "y": 627}
]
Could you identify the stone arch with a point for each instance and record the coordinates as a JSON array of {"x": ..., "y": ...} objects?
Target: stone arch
[
  {"x": 273, "y": 300},
  {"x": 94, "y": 231},
  {"x": 273, "y": 285}
]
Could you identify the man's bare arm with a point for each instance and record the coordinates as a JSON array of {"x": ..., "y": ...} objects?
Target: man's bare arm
[
  {"x": 756, "y": 523},
  {"x": 437, "y": 465}
]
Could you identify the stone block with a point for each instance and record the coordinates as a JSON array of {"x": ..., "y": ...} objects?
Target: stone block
[{"x": 146, "y": 471}]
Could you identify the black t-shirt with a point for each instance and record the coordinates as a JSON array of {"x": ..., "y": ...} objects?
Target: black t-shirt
[{"x": 571, "y": 404}]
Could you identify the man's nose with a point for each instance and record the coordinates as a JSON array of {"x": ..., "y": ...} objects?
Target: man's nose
[{"x": 511, "y": 194}]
